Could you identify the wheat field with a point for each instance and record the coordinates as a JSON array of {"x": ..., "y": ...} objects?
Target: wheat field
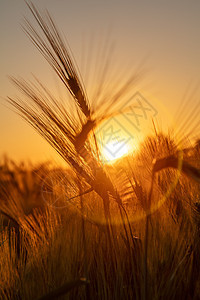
[{"x": 130, "y": 230}]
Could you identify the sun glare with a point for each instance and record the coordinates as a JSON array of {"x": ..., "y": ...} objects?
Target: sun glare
[
  {"x": 115, "y": 150},
  {"x": 115, "y": 140}
]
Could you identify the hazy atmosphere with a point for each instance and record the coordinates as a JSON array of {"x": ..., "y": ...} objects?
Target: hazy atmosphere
[
  {"x": 162, "y": 36},
  {"x": 100, "y": 150}
]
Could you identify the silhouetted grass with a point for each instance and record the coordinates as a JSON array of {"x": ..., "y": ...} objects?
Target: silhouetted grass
[{"x": 130, "y": 230}]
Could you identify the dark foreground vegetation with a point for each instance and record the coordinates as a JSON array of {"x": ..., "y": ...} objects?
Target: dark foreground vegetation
[{"x": 54, "y": 243}]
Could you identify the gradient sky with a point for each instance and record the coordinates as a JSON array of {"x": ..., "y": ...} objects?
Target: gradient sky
[{"x": 166, "y": 34}]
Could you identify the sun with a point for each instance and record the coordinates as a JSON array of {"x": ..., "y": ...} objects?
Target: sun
[
  {"x": 115, "y": 150},
  {"x": 114, "y": 140}
]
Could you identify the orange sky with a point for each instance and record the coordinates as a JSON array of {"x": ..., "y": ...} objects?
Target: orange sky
[{"x": 164, "y": 33}]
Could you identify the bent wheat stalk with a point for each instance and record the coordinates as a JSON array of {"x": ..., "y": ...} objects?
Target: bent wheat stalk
[{"x": 173, "y": 162}]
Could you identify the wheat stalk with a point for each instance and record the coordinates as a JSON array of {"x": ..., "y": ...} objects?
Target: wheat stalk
[{"x": 176, "y": 163}]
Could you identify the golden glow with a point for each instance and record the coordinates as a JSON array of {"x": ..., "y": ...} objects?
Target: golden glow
[
  {"x": 114, "y": 150},
  {"x": 115, "y": 139}
]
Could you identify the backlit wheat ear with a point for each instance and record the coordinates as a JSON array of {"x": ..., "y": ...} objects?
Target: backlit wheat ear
[
  {"x": 54, "y": 50},
  {"x": 173, "y": 162}
]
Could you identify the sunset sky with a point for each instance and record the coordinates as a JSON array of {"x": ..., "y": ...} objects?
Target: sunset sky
[{"x": 162, "y": 35}]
